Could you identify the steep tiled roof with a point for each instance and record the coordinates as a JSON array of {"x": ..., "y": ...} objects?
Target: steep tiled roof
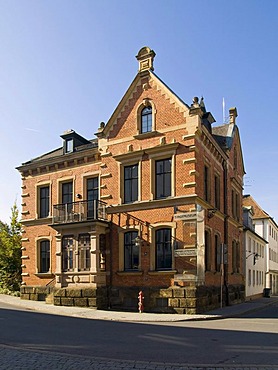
[{"x": 248, "y": 201}]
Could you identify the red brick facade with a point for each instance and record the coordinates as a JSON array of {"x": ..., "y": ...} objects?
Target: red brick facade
[{"x": 201, "y": 208}]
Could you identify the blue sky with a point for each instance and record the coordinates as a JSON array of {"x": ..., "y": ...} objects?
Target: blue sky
[{"x": 65, "y": 64}]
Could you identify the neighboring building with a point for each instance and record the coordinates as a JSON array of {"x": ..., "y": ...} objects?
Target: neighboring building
[
  {"x": 154, "y": 203},
  {"x": 267, "y": 228},
  {"x": 255, "y": 254}
]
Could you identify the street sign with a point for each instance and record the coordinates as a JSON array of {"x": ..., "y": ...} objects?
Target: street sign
[
  {"x": 185, "y": 252},
  {"x": 185, "y": 216}
]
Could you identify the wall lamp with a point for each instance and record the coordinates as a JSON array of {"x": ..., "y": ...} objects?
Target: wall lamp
[
  {"x": 211, "y": 212},
  {"x": 255, "y": 257},
  {"x": 137, "y": 241}
]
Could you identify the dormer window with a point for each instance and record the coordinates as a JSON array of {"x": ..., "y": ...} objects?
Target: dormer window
[
  {"x": 69, "y": 145},
  {"x": 146, "y": 120},
  {"x": 71, "y": 140}
]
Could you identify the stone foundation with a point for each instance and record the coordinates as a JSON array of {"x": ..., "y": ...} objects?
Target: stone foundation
[
  {"x": 81, "y": 297},
  {"x": 181, "y": 300}
]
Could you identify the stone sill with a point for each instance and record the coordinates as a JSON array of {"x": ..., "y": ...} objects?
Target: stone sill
[
  {"x": 44, "y": 275},
  {"x": 162, "y": 272},
  {"x": 130, "y": 273}
]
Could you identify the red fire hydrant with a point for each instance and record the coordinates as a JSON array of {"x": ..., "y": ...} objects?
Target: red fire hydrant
[{"x": 140, "y": 301}]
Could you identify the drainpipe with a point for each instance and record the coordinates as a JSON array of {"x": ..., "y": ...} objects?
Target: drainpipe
[
  {"x": 110, "y": 266},
  {"x": 226, "y": 239}
]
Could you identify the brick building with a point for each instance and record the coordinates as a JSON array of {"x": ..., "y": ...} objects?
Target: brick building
[{"x": 154, "y": 203}]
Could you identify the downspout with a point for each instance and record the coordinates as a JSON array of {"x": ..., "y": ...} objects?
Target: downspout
[
  {"x": 226, "y": 239},
  {"x": 110, "y": 266}
]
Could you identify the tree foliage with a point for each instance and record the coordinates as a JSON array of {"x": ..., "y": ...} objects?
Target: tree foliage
[{"x": 10, "y": 253}]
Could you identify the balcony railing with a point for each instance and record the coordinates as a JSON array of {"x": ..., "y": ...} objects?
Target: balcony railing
[{"x": 86, "y": 210}]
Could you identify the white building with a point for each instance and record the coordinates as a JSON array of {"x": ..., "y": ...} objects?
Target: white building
[
  {"x": 266, "y": 227},
  {"x": 255, "y": 257}
]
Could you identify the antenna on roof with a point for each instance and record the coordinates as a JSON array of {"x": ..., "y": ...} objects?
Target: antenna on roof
[
  {"x": 223, "y": 110},
  {"x": 225, "y": 118}
]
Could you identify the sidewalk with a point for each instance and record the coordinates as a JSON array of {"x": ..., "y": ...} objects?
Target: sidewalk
[{"x": 88, "y": 313}]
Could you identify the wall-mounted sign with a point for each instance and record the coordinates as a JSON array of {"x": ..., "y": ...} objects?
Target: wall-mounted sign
[
  {"x": 185, "y": 216},
  {"x": 185, "y": 252}
]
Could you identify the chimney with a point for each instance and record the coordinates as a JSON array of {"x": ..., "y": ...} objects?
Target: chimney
[{"x": 233, "y": 115}]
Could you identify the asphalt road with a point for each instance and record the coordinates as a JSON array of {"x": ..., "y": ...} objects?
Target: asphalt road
[{"x": 251, "y": 340}]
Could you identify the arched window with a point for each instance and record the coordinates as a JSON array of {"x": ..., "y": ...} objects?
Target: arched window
[
  {"x": 146, "y": 119},
  {"x": 44, "y": 256}
]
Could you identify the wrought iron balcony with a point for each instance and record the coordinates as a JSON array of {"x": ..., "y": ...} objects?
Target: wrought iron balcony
[{"x": 86, "y": 210}]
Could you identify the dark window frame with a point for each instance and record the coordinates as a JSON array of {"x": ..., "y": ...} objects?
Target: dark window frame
[
  {"x": 44, "y": 201},
  {"x": 207, "y": 183},
  {"x": 68, "y": 255},
  {"x": 84, "y": 252},
  {"x": 131, "y": 182},
  {"x": 92, "y": 188},
  {"x": 131, "y": 251},
  {"x": 163, "y": 178},
  {"x": 44, "y": 255},
  {"x": 217, "y": 191},
  {"x": 207, "y": 250},
  {"x": 146, "y": 120},
  {"x": 163, "y": 249},
  {"x": 217, "y": 251}
]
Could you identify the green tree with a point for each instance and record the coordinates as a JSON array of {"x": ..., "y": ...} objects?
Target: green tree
[{"x": 10, "y": 253}]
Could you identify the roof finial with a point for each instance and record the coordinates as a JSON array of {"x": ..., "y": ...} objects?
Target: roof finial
[{"x": 145, "y": 58}]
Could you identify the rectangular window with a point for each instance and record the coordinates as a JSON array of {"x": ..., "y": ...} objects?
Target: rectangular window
[
  {"x": 163, "y": 174},
  {"x": 44, "y": 201},
  {"x": 217, "y": 248},
  {"x": 69, "y": 145},
  {"x": 233, "y": 204},
  {"x": 217, "y": 191},
  {"x": 249, "y": 277},
  {"x": 92, "y": 196},
  {"x": 163, "y": 246},
  {"x": 67, "y": 197},
  {"x": 131, "y": 183},
  {"x": 67, "y": 192},
  {"x": 249, "y": 245},
  {"x": 84, "y": 255},
  {"x": 44, "y": 254},
  {"x": 237, "y": 207},
  {"x": 235, "y": 257},
  {"x": 68, "y": 253},
  {"x": 206, "y": 184},
  {"x": 131, "y": 251},
  {"x": 207, "y": 251}
]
